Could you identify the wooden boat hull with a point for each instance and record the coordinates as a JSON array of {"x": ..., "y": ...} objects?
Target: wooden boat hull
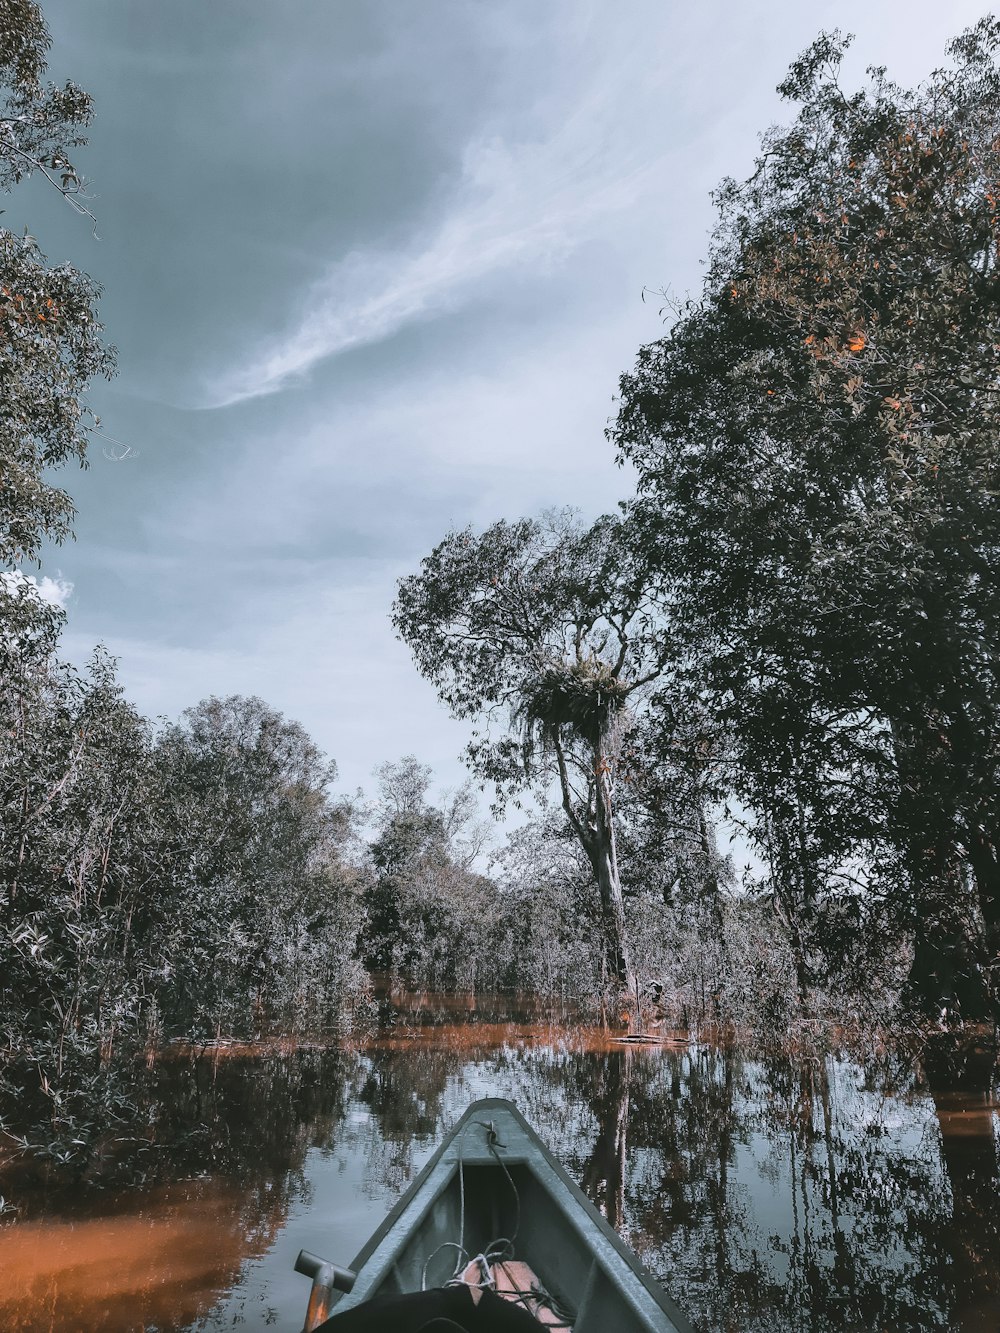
[{"x": 467, "y": 1191}]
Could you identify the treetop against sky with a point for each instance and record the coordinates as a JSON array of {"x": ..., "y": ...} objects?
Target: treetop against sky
[{"x": 373, "y": 274}]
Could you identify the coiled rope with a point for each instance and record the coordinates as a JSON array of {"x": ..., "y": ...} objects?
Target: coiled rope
[{"x": 499, "y": 1250}]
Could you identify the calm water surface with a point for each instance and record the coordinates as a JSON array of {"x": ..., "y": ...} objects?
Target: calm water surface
[{"x": 767, "y": 1193}]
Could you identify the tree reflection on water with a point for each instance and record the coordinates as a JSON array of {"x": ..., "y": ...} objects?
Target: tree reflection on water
[{"x": 784, "y": 1191}]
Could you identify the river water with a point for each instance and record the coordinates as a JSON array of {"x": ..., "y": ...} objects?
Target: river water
[{"x": 780, "y": 1191}]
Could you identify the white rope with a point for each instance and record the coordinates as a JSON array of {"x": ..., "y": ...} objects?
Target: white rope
[{"x": 498, "y": 1250}]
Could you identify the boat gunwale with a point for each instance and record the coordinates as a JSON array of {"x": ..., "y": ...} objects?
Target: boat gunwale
[{"x": 652, "y": 1286}]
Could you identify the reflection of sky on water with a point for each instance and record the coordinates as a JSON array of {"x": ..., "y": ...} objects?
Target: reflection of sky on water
[
  {"x": 333, "y": 1216},
  {"x": 767, "y": 1193},
  {"x": 775, "y": 1229}
]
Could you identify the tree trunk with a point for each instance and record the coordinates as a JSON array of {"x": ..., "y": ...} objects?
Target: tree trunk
[
  {"x": 986, "y": 872},
  {"x": 713, "y": 891},
  {"x": 790, "y": 900},
  {"x": 948, "y": 982},
  {"x": 612, "y": 914},
  {"x": 596, "y": 833},
  {"x": 603, "y": 854}
]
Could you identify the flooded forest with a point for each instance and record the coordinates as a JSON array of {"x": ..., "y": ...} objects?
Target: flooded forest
[
  {"x": 766, "y": 1189},
  {"x": 718, "y": 906}
]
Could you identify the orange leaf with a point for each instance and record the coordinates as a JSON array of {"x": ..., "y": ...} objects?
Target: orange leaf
[{"x": 856, "y": 343}]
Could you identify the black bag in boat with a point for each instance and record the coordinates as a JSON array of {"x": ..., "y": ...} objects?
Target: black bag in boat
[{"x": 440, "y": 1310}]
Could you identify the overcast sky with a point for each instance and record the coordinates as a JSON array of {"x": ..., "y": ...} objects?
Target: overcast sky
[{"x": 373, "y": 270}]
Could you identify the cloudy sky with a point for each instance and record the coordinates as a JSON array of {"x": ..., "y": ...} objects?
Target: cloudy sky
[{"x": 373, "y": 269}]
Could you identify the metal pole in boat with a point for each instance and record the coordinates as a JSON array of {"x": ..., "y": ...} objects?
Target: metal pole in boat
[{"x": 326, "y": 1277}]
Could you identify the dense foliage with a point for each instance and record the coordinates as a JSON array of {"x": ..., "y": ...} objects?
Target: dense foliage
[
  {"x": 262, "y": 910},
  {"x": 543, "y": 627},
  {"x": 50, "y": 344},
  {"x": 430, "y": 915},
  {"x": 187, "y": 884},
  {"x": 795, "y": 622},
  {"x": 816, "y": 441}
]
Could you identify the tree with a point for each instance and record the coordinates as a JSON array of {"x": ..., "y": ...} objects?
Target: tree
[
  {"x": 429, "y": 914},
  {"x": 39, "y": 123},
  {"x": 550, "y": 936},
  {"x": 254, "y": 915},
  {"x": 816, "y": 440},
  {"x": 77, "y": 801},
  {"x": 544, "y": 628},
  {"x": 72, "y": 753},
  {"x": 50, "y": 344}
]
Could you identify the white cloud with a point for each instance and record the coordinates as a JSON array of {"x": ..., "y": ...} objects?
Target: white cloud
[
  {"x": 55, "y": 591},
  {"x": 524, "y": 202},
  {"x": 450, "y": 446},
  {"x": 596, "y": 173}
]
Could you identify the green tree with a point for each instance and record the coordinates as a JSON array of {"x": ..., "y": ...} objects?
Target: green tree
[
  {"x": 816, "y": 440},
  {"x": 77, "y": 801},
  {"x": 73, "y": 754},
  {"x": 50, "y": 344},
  {"x": 256, "y": 913},
  {"x": 40, "y": 124},
  {"x": 430, "y": 914},
  {"x": 549, "y": 933},
  {"x": 544, "y": 628}
]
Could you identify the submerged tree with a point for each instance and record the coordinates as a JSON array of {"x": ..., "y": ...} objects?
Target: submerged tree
[
  {"x": 543, "y": 628},
  {"x": 816, "y": 440}
]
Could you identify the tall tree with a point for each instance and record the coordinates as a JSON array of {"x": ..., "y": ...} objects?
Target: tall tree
[
  {"x": 543, "y": 628},
  {"x": 77, "y": 821},
  {"x": 816, "y": 440},
  {"x": 72, "y": 754},
  {"x": 50, "y": 344}
]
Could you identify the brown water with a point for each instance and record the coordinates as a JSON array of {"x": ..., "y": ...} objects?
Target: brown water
[{"x": 767, "y": 1192}]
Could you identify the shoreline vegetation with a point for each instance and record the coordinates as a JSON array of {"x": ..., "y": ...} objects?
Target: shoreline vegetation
[{"x": 791, "y": 630}]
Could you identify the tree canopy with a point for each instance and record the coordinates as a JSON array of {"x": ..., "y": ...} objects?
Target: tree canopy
[
  {"x": 50, "y": 346},
  {"x": 544, "y": 628},
  {"x": 816, "y": 440}
]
